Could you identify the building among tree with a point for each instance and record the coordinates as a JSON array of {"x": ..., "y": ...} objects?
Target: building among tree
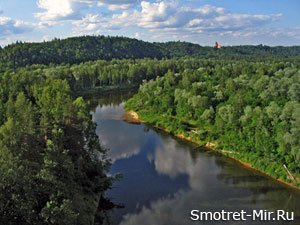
[{"x": 217, "y": 45}]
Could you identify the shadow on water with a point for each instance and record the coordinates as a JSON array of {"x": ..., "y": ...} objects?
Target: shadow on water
[
  {"x": 110, "y": 98},
  {"x": 104, "y": 207},
  {"x": 107, "y": 205},
  {"x": 164, "y": 178}
]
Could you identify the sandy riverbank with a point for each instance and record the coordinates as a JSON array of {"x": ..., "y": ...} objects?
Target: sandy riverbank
[{"x": 133, "y": 117}]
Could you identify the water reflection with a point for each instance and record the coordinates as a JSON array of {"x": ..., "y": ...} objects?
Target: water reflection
[
  {"x": 165, "y": 178},
  {"x": 215, "y": 183},
  {"x": 173, "y": 158},
  {"x": 114, "y": 133}
]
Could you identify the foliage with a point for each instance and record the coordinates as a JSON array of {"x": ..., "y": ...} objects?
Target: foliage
[
  {"x": 76, "y": 50},
  {"x": 250, "y": 108},
  {"x": 52, "y": 168}
]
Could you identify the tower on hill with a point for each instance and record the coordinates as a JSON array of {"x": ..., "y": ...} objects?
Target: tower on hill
[{"x": 217, "y": 45}]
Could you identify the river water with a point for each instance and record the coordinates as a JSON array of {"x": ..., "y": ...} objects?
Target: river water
[{"x": 165, "y": 178}]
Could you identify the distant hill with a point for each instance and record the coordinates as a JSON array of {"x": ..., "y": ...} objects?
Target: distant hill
[
  {"x": 88, "y": 48},
  {"x": 181, "y": 49},
  {"x": 77, "y": 50}
]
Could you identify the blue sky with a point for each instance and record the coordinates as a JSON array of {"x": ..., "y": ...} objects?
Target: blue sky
[{"x": 231, "y": 22}]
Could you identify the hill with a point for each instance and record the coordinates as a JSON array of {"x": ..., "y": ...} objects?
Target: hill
[
  {"x": 76, "y": 50},
  {"x": 89, "y": 48}
]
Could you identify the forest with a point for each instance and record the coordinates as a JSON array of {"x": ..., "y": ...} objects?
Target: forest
[
  {"x": 76, "y": 50},
  {"x": 53, "y": 170},
  {"x": 52, "y": 167},
  {"x": 248, "y": 110}
]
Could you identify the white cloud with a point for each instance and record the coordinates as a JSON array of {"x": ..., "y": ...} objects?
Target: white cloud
[
  {"x": 56, "y": 10},
  {"x": 61, "y": 9},
  {"x": 88, "y": 23},
  {"x": 118, "y": 4},
  {"x": 212, "y": 187},
  {"x": 159, "y": 20},
  {"x": 9, "y": 26},
  {"x": 172, "y": 159},
  {"x": 209, "y": 10},
  {"x": 111, "y": 133},
  {"x": 173, "y": 19},
  {"x": 94, "y": 24},
  {"x": 47, "y": 38},
  {"x": 165, "y": 15},
  {"x": 137, "y": 35},
  {"x": 181, "y": 163},
  {"x": 167, "y": 19},
  {"x": 267, "y": 32}
]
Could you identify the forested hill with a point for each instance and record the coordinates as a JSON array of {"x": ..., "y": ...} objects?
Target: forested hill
[
  {"x": 181, "y": 49},
  {"x": 76, "y": 50},
  {"x": 89, "y": 48}
]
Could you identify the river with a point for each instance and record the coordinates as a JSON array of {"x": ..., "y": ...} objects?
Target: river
[{"x": 164, "y": 178}]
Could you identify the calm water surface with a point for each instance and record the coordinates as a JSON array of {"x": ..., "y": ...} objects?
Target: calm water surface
[{"x": 165, "y": 178}]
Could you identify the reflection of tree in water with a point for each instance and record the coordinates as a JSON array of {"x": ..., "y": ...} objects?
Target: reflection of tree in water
[
  {"x": 102, "y": 214},
  {"x": 263, "y": 191},
  {"x": 215, "y": 183},
  {"x": 110, "y": 98},
  {"x": 166, "y": 137}
]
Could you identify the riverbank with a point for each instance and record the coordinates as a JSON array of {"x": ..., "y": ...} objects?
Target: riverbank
[
  {"x": 137, "y": 118},
  {"x": 132, "y": 117}
]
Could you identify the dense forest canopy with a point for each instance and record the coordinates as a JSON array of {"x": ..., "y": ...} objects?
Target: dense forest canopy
[
  {"x": 52, "y": 167},
  {"x": 249, "y": 109},
  {"x": 182, "y": 49},
  {"x": 98, "y": 74},
  {"x": 76, "y": 50},
  {"x": 89, "y": 48},
  {"x": 246, "y": 99}
]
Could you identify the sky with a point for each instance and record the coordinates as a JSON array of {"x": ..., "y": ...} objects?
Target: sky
[{"x": 230, "y": 22}]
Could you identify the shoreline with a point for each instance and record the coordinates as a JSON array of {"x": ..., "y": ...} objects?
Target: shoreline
[
  {"x": 250, "y": 166},
  {"x": 136, "y": 119},
  {"x": 131, "y": 117}
]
